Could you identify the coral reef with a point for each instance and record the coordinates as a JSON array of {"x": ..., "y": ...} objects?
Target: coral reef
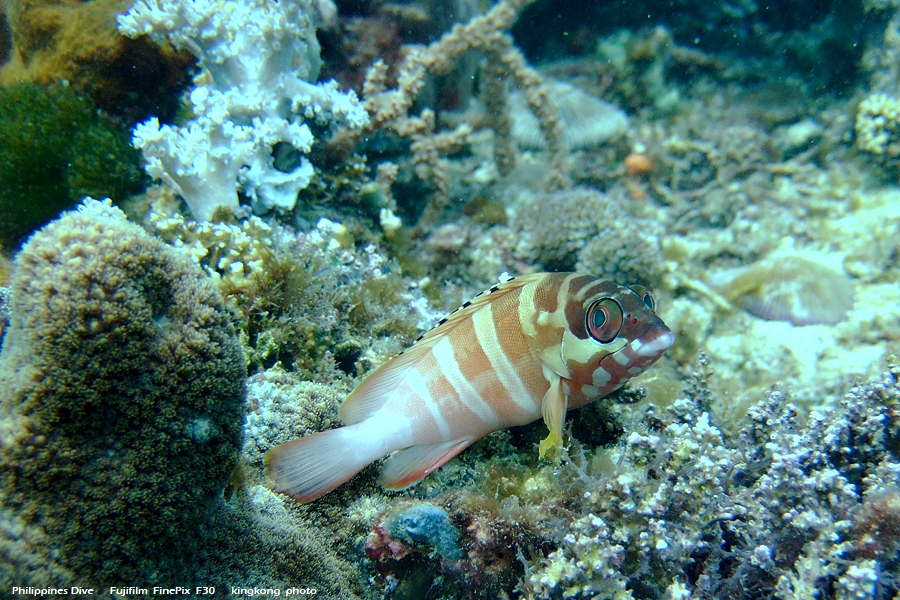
[
  {"x": 302, "y": 299},
  {"x": 755, "y": 171},
  {"x": 56, "y": 150},
  {"x": 471, "y": 549},
  {"x": 258, "y": 541},
  {"x": 390, "y": 107},
  {"x": 122, "y": 397},
  {"x": 776, "y": 509},
  {"x": 68, "y": 40},
  {"x": 585, "y": 230},
  {"x": 253, "y": 101}
]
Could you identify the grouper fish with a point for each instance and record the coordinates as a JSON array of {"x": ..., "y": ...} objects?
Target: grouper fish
[{"x": 529, "y": 347}]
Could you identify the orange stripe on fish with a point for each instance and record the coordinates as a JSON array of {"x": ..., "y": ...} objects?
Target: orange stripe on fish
[{"x": 529, "y": 347}]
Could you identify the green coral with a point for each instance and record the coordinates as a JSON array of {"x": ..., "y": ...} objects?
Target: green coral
[
  {"x": 121, "y": 400},
  {"x": 56, "y": 150}
]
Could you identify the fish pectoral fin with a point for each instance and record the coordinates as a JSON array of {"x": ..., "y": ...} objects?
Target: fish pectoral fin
[
  {"x": 553, "y": 408},
  {"x": 409, "y": 466}
]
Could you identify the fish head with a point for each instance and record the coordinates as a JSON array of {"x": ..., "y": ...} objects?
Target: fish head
[{"x": 613, "y": 336}]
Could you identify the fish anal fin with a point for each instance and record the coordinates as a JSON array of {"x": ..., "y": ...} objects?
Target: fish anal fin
[
  {"x": 410, "y": 465},
  {"x": 370, "y": 395},
  {"x": 553, "y": 408}
]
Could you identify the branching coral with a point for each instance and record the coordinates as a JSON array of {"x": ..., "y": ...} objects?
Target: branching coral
[{"x": 389, "y": 107}]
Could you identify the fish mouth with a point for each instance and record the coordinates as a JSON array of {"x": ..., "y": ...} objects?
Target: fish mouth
[
  {"x": 636, "y": 356},
  {"x": 653, "y": 348}
]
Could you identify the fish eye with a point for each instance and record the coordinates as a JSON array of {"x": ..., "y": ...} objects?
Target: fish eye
[
  {"x": 603, "y": 320},
  {"x": 646, "y": 296}
]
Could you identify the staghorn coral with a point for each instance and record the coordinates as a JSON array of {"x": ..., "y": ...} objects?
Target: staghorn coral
[{"x": 121, "y": 397}]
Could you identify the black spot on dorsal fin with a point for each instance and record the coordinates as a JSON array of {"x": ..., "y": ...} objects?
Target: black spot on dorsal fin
[{"x": 463, "y": 306}]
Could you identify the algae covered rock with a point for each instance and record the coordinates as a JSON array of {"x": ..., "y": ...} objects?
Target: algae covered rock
[{"x": 121, "y": 403}]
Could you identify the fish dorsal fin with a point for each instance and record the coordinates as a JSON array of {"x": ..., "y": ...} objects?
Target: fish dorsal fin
[{"x": 373, "y": 392}]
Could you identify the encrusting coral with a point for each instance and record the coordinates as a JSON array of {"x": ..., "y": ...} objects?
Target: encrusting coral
[{"x": 121, "y": 401}]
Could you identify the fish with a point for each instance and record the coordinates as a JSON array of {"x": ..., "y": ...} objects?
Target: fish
[{"x": 529, "y": 347}]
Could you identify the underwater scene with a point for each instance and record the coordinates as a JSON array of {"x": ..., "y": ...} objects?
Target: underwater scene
[{"x": 418, "y": 300}]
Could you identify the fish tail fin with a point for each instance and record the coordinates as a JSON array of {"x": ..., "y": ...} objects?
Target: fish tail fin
[{"x": 312, "y": 466}]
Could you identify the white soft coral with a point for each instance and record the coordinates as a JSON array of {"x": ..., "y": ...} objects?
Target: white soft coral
[{"x": 258, "y": 59}]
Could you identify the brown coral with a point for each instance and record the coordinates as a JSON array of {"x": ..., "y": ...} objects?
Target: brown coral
[{"x": 76, "y": 41}]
